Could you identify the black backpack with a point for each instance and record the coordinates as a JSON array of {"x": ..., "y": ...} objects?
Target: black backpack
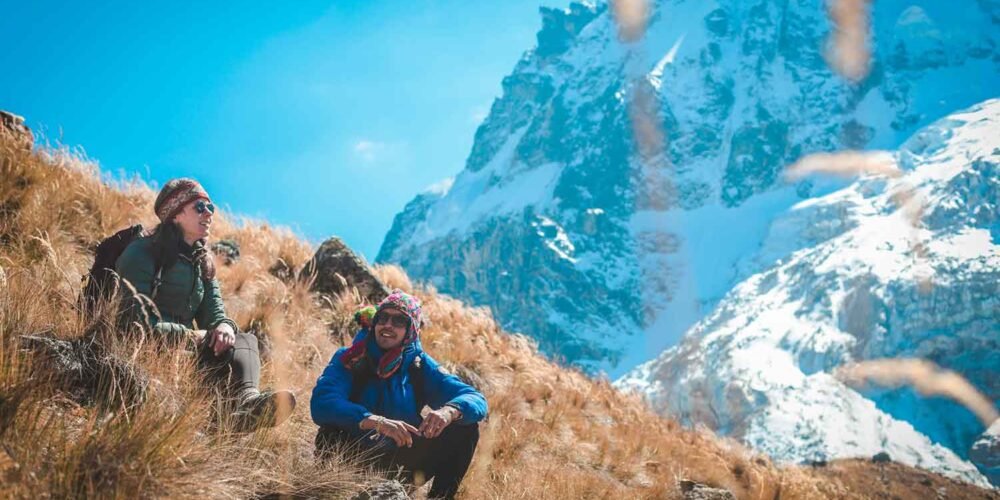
[{"x": 101, "y": 281}]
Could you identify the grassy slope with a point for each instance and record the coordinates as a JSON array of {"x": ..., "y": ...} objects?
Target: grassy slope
[{"x": 552, "y": 433}]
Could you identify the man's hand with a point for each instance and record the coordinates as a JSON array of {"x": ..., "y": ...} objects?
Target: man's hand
[
  {"x": 399, "y": 431},
  {"x": 223, "y": 337},
  {"x": 437, "y": 420}
]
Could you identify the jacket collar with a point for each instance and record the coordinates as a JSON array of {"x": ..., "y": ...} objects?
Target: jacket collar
[{"x": 412, "y": 350}]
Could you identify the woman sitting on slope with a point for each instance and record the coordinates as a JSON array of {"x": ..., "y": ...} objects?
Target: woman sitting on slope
[{"x": 173, "y": 268}]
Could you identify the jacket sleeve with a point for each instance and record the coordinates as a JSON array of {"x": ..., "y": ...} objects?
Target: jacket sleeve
[
  {"x": 211, "y": 312},
  {"x": 137, "y": 268},
  {"x": 330, "y": 404},
  {"x": 444, "y": 389}
]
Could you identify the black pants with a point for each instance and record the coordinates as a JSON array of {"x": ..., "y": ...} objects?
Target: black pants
[
  {"x": 446, "y": 458},
  {"x": 237, "y": 369}
]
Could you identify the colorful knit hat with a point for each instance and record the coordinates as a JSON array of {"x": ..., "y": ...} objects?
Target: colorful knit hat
[
  {"x": 175, "y": 195},
  {"x": 406, "y": 304}
]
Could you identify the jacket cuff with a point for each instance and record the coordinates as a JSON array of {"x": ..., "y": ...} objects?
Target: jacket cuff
[
  {"x": 364, "y": 415},
  {"x": 461, "y": 413},
  {"x": 175, "y": 334},
  {"x": 236, "y": 329}
]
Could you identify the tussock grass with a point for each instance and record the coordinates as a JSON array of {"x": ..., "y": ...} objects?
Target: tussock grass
[{"x": 552, "y": 433}]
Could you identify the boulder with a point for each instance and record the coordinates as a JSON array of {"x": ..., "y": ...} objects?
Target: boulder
[
  {"x": 13, "y": 126},
  {"x": 89, "y": 374},
  {"x": 385, "y": 490},
  {"x": 229, "y": 250},
  {"x": 282, "y": 270},
  {"x": 336, "y": 269},
  {"x": 691, "y": 490}
]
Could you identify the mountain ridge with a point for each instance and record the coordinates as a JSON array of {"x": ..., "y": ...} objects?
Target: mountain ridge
[{"x": 556, "y": 223}]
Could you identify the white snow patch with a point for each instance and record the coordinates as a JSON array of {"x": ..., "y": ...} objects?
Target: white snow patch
[
  {"x": 559, "y": 243},
  {"x": 441, "y": 187},
  {"x": 656, "y": 75},
  {"x": 489, "y": 192}
]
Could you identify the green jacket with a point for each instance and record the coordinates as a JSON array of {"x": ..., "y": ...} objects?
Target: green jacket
[{"x": 183, "y": 300}]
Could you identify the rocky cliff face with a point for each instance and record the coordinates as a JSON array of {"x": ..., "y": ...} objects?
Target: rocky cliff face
[
  {"x": 569, "y": 234},
  {"x": 985, "y": 453},
  {"x": 13, "y": 126},
  {"x": 854, "y": 280}
]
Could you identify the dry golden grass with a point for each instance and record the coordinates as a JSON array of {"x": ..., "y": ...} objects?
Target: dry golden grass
[{"x": 552, "y": 432}]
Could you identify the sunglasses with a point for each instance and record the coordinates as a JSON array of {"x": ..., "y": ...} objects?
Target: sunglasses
[
  {"x": 202, "y": 206},
  {"x": 396, "y": 320}
]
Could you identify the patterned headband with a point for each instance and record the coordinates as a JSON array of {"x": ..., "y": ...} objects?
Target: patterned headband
[{"x": 175, "y": 195}]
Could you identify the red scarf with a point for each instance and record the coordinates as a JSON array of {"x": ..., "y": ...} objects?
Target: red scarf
[{"x": 388, "y": 364}]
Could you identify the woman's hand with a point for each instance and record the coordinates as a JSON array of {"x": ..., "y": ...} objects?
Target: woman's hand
[
  {"x": 437, "y": 420},
  {"x": 399, "y": 431},
  {"x": 197, "y": 336},
  {"x": 223, "y": 337}
]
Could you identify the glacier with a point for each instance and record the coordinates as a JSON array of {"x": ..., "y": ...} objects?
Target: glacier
[{"x": 854, "y": 279}]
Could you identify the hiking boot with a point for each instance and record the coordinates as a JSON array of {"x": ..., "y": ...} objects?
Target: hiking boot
[{"x": 260, "y": 409}]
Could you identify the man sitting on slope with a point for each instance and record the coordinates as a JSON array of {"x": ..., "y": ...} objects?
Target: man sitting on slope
[{"x": 371, "y": 395}]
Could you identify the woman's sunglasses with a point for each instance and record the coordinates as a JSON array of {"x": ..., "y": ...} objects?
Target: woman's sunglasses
[
  {"x": 202, "y": 206},
  {"x": 396, "y": 320}
]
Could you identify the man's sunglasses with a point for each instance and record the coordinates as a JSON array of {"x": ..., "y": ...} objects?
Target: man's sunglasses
[
  {"x": 202, "y": 206},
  {"x": 396, "y": 320}
]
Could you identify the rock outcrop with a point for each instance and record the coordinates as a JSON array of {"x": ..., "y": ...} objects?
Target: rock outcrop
[
  {"x": 13, "y": 126},
  {"x": 228, "y": 250},
  {"x": 695, "y": 491},
  {"x": 335, "y": 268},
  {"x": 985, "y": 453},
  {"x": 87, "y": 372},
  {"x": 384, "y": 490}
]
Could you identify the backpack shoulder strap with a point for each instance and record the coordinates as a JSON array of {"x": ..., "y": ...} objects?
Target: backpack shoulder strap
[
  {"x": 157, "y": 279},
  {"x": 417, "y": 379}
]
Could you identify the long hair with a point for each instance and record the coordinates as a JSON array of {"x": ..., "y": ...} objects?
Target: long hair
[{"x": 167, "y": 239}]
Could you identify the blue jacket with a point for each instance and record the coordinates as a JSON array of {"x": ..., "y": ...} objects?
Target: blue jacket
[{"x": 392, "y": 397}]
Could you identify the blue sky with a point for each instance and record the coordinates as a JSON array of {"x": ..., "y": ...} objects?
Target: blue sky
[{"x": 327, "y": 117}]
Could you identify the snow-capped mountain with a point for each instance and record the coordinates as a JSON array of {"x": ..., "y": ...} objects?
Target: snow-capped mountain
[
  {"x": 567, "y": 234},
  {"x": 853, "y": 279}
]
